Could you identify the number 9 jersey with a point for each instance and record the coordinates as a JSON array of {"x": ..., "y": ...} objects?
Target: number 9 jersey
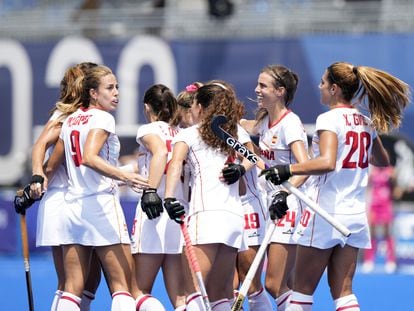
[{"x": 84, "y": 181}]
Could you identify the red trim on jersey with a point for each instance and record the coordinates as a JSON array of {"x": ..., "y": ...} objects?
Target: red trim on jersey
[
  {"x": 121, "y": 293},
  {"x": 279, "y": 303},
  {"x": 343, "y": 106},
  {"x": 348, "y": 307},
  {"x": 84, "y": 109},
  {"x": 257, "y": 294},
  {"x": 142, "y": 300},
  {"x": 192, "y": 297},
  {"x": 295, "y": 302},
  {"x": 280, "y": 119},
  {"x": 70, "y": 299}
]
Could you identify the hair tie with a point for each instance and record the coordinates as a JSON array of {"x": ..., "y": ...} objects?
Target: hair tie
[
  {"x": 355, "y": 70},
  {"x": 220, "y": 85},
  {"x": 191, "y": 88}
]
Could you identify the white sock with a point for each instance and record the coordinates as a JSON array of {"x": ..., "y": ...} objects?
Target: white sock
[
  {"x": 68, "y": 302},
  {"x": 283, "y": 300},
  {"x": 87, "y": 298},
  {"x": 194, "y": 302},
  {"x": 122, "y": 300},
  {"x": 221, "y": 305},
  {"x": 148, "y": 303},
  {"x": 300, "y": 302},
  {"x": 55, "y": 301},
  {"x": 348, "y": 303},
  {"x": 259, "y": 301}
]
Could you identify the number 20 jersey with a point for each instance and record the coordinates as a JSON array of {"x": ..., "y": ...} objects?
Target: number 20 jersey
[{"x": 342, "y": 191}]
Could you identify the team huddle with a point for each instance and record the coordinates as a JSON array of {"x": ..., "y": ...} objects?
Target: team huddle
[{"x": 206, "y": 215}]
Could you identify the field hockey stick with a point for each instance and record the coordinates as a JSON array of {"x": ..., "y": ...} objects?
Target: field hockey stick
[
  {"x": 216, "y": 123},
  {"x": 244, "y": 288},
  {"x": 25, "y": 247},
  {"x": 195, "y": 266}
]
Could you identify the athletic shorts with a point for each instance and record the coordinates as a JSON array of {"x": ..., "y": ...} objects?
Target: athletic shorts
[
  {"x": 50, "y": 211},
  {"x": 96, "y": 220},
  {"x": 285, "y": 227},
  {"x": 209, "y": 227},
  {"x": 161, "y": 235},
  {"x": 255, "y": 214},
  {"x": 314, "y": 231}
]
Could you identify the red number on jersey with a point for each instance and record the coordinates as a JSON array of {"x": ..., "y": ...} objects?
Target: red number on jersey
[
  {"x": 360, "y": 143},
  {"x": 290, "y": 217},
  {"x": 251, "y": 221},
  {"x": 304, "y": 220},
  {"x": 75, "y": 147}
]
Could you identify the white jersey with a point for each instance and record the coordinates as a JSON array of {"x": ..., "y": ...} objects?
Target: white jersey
[
  {"x": 255, "y": 209},
  {"x": 274, "y": 143},
  {"x": 60, "y": 177},
  {"x": 84, "y": 181},
  {"x": 160, "y": 235},
  {"x": 166, "y": 133},
  {"x": 343, "y": 190},
  {"x": 206, "y": 164},
  {"x": 274, "y": 139},
  {"x": 50, "y": 211},
  {"x": 253, "y": 201},
  {"x": 214, "y": 204}
]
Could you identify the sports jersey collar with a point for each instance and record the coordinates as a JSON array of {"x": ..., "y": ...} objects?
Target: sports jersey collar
[
  {"x": 343, "y": 106},
  {"x": 280, "y": 119},
  {"x": 89, "y": 108}
]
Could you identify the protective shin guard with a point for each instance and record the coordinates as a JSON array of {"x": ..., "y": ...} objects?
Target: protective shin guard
[
  {"x": 69, "y": 302},
  {"x": 221, "y": 305},
  {"x": 259, "y": 301},
  {"x": 148, "y": 303},
  {"x": 347, "y": 303},
  {"x": 300, "y": 302},
  {"x": 122, "y": 300},
  {"x": 87, "y": 298},
  {"x": 283, "y": 300},
  {"x": 55, "y": 301},
  {"x": 194, "y": 302}
]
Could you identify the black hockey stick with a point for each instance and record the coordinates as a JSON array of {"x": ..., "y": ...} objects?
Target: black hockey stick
[{"x": 219, "y": 120}]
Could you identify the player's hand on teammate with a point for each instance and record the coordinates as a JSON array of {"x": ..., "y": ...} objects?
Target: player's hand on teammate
[
  {"x": 151, "y": 203},
  {"x": 232, "y": 173},
  {"x": 278, "y": 207},
  {"x": 135, "y": 181},
  {"x": 277, "y": 174},
  {"x": 174, "y": 209}
]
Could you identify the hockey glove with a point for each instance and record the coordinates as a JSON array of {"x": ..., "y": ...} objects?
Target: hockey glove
[
  {"x": 277, "y": 174},
  {"x": 151, "y": 203},
  {"x": 278, "y": 207},
  {"x": 174, "y": 209},
  {"x": 22, "y": 200},
  {"x": 232, "y": 173}
]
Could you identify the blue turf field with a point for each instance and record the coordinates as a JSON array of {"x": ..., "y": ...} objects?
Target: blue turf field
[{"x": 377, "y": 291}]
